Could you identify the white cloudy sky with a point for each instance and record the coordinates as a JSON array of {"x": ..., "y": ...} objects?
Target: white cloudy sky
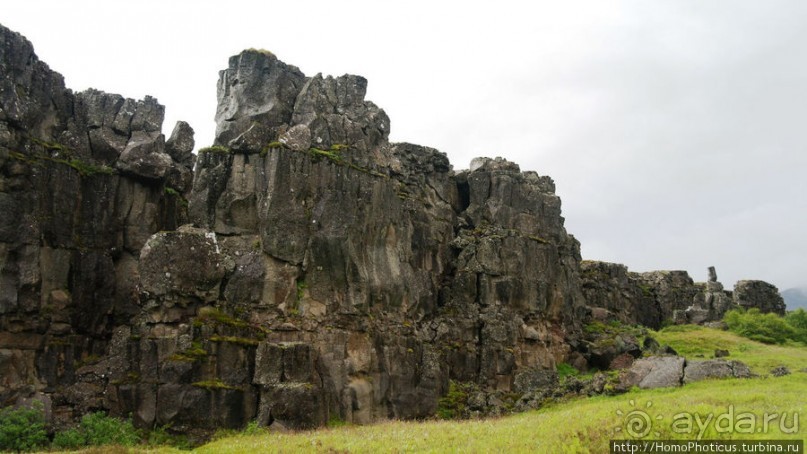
[{"x": 674, "y": 129}]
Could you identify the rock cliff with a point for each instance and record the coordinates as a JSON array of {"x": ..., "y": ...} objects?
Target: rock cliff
[
  {"x": 315, "y": 272},
  {"x": 302, "y": 269},
  {"x": 85, "y": 179}
]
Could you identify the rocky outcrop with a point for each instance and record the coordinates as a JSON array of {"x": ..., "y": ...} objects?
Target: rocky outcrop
[
  {"x": 650, "y": 299},
  {"x": 84, "y": 182},
  {"x": 263, "y": 100},
  {"x": 760, "y": 295},
  {"x": 620, "y": 294},
  {"x": 658, "y": 297},
  {"x": 327, "y": 273},
  {"x": 715, "y": 368},
  {"x": 381, "y": 271},
  {"x": 670, "y": 371}
]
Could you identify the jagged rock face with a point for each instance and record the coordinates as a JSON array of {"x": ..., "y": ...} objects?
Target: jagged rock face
[
  {"x": 760, "y": 295},
  {"x": 658, "y": 297},
  {"x": 83, "y": 181},
  {"x": 256, "y": 96},
  {"x": 329, "y": 274},
  {"x": 367, "y": 274},
  {"x": 652, "y": 298},
  {"x": 623, "y": 294},
  {"x": 261, "y": 98}
]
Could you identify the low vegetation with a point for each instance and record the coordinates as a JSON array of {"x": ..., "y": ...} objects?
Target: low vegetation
[
  {"x": 696, "y": 342},
  {"x": 24, "y": 429},
  {"x": 768, "y": 328}
]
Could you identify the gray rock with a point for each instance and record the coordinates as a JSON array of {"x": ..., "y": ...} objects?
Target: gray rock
[
  {"x": 712, "y": 274},
  {"x": 721, "y": 325},
  {"x": 780, "y": 371},
  {"x": 144, "y": 156},
  {"x": 535, "y": 379},
  {"x": 716, "y": 368},
  {"x": 297, "y": 138},
  {"x": 186, "y": 262},
  {"x": 256, "y": 89},
  {"x": 759, "y": 295},
  {"x": 180, "y": 145},
  {"x": 720, "y": 353},
  {"x": 335, "y": 112},
  {"x": 654, "y": 372}
]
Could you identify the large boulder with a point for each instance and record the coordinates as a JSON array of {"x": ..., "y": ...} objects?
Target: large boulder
[
  {"x": 187, "y": 262},
  {"x": 654, "y": 372},
  {"x": 759, "y": 295},
  {"x": 715, "y": 368},
  {"x": 256, "y": 96}
]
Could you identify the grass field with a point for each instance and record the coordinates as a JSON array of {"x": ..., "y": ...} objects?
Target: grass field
[{"x": 587, "y": 425}]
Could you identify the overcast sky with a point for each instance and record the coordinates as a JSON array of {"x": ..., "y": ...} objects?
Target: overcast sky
[{"x": 675, "y": 130}]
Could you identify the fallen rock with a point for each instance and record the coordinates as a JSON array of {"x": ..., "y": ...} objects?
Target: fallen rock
[
  {"x": 720, "y": 353},
  {"x": 715, "y": 368},
  {"x": 780, "y": 371},
  {"x": 606, "y": 348},
  {"x": 654, "y": 372}
]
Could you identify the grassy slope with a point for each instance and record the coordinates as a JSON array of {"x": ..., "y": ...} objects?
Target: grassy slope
[
  {"x": 582, "y": 425},
  {"x": 690, "y": 341}
]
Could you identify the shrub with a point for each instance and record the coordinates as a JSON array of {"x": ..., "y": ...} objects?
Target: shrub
[
  {"x": 766, "y": 328},
  {"x": 100, "y": 429},
  {"x": 22, "y": 429},
  {"x": 69, "y": 439},
  {"x": 453, "y": 404},
  {"x": 798, "y": 320}
]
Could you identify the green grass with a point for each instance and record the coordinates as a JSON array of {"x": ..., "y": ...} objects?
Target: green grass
[
  {"x": 690, "y": 341},
  {"x": 587, "y": 424}
]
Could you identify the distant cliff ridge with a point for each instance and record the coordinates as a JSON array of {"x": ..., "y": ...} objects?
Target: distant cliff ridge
[{"x": 301, "y": 269}]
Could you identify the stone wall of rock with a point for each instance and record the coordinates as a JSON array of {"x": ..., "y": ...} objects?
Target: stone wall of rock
[
  {"x": 356, "y": 277},
  {"x": 305, "y": 270},
  {"x": 324, "y": 273},
  {"x": 85, "y": 179},
  {"x": 650, "y": 299}
]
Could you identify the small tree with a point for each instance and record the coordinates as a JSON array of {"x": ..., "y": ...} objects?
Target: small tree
[{"x": 22, "y": 429}]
